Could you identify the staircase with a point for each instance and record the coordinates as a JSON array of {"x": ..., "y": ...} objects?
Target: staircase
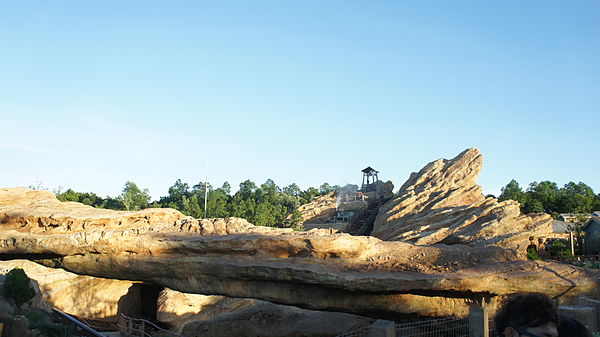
[{"x": 363, "y": 224}]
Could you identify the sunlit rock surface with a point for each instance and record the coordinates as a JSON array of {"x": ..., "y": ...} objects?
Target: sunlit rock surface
[
  {"x": 83, "y": 296},
  {"x": 202, "y": 315},
  {"x": 312, "y": 270},
  {"x": 442, "y": 203},
  {"x": 268, "y": 319},
  {"x": 319, "y": 210}
]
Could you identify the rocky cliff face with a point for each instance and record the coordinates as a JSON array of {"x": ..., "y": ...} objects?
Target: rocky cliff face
[
  {"x": 266, "y": 319},
  {"x": 323, "y": 208},
  {"x": 202, "y": 315},
  {"x": 83, "y": 296},
  {"x": 442, "y": 203},
  {"x": 319, "y": 210},
  {"x": 231, "y": 257}
]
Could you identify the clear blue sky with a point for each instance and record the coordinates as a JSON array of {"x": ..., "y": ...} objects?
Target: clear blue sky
[{"x": 96, "y": 93}]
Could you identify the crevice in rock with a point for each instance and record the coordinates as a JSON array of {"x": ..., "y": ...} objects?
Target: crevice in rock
[{"x": 30, "y": 256}]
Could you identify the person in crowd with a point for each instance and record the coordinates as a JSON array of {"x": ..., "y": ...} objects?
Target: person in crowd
[
  {"x": 527, "y": 314},
  {"x": 532, "y": 247},
  {"x": 542, "y": 250},
  {"x": 570, "y": 327}
]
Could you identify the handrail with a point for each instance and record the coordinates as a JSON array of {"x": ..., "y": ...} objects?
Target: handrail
[
  {"x": 78, "y": 323},
  {"x": 130, "y": 326}
]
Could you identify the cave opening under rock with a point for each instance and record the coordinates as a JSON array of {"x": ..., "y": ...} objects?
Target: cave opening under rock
[{"x": 148, "y": 300}]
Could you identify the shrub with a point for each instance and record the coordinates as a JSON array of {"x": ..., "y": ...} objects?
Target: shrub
[
  {"x": 35, "y": 318},
  {"x": 560, "y": 250},
  {"x": 17, "y": 286},
  {"x": 57, "y": 330},
  {"x": 532, "y": 254}
]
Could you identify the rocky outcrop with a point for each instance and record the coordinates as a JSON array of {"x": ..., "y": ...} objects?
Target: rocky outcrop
[
  {"x": 442, "y": 203},
  {"x": 383, "y": 190},
  {"x": 267, "y": 319},
  {"x": 83, "y": 296},
  {"x": 320, "y": 209},
  {"x": 176, "y": 309},
  {"x": 313, "y": 270},
  {"x": 203, "y": 315}
]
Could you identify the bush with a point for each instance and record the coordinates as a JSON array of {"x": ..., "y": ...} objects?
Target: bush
[
  {"x": 532, "y": 254},
  {"x": 17, "y": 286},
  {"x": 35, "y": 318},
  {"x": 56, "y": 330},
  {"x": 560, "y": 250}
]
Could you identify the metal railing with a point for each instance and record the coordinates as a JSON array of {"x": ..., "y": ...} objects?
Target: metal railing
[
  {"x": 89, "y": 331},
  {"x": 442, "y": 327},
  {"x": 137, "y": 327},
  {"x": 356, "y": 333}
]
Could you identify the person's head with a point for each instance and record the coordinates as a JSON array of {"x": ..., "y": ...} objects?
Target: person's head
[
  {"x": 569, "y": 327},
  {"x": 527, "y": 314}
]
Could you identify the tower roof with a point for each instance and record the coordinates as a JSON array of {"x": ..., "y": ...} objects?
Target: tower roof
[{"x": 369, "y": 170}]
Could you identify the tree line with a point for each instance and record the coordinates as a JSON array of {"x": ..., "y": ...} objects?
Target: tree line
[
  {"x": 264, "y": 205},
  {"x": 546, "y": 196}
]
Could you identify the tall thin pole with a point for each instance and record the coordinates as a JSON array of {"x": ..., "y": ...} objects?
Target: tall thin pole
[{"x": 205, "y": 194}]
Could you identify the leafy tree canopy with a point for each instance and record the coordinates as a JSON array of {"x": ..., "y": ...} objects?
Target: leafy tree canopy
[
  {"x": 546, "y": 196},
  {"x": 264, "y": 205},
  {"x": 133, "y": 198}
]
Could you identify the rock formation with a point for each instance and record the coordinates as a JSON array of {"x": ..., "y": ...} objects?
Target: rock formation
[
  {"x": 83, "y": 296},
  {"x": 231, "y": 257},
  {"x": 267, "y": 319},
  {"x": 176, "y": 309},
  {"x": 323, "y": 208},
  {"x": 202, "y": 315},
  {"x": 320, "y": 209},
  {"x": 442, "y": 203}
]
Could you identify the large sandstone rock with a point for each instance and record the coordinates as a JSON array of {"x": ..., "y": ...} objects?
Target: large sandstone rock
[
  {"x": 319, "y": 210},
  {"x": 83, "y": 296},
  {"x": 442, "y": 203},
  {"x": 230, "y": 257},
  {"x": 203, "y": 315},
  {"x": 322, "y": 209},
  {"x": 264, "y": 319},
  {"x": 177, "y": 309}
]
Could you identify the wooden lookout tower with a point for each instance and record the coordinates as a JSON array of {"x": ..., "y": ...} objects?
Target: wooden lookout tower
[{"x": 370, "y": 176}]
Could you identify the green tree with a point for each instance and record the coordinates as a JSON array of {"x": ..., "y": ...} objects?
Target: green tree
[
  {"x": 192, "y": 206},
  {"x": 308, "y": 195},
  {"x": 247, "y": 188},
  {"x": 90, "y": 199},
  {"x": 217, "y": 204},
  {"x": 544, "y": 193},
  {"x": 68, "y": 195},
  {"x": 326, "y": 188},
  {"x": 133, "y": 198},
  {"x": 265, "y": 215},
  {"x": 17, "y": 285},
  {"x": 533, "y": 206},
  {"x": 243, "y": 208},
  {"x": 292, "y": 189},
  {"x": 294, "y": 220},
  {"x": 226, "y": 188},
  {"x": 576, "y": 198},
  {"x": 513, "y": 191},
  {"x": 175, "y": 198},
  {"x": 112, "y": 203}
]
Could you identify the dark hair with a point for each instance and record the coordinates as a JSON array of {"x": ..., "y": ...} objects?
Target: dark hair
[
  {"x": 525, "y": 310},
  {"x": 569, "y": 327}
]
